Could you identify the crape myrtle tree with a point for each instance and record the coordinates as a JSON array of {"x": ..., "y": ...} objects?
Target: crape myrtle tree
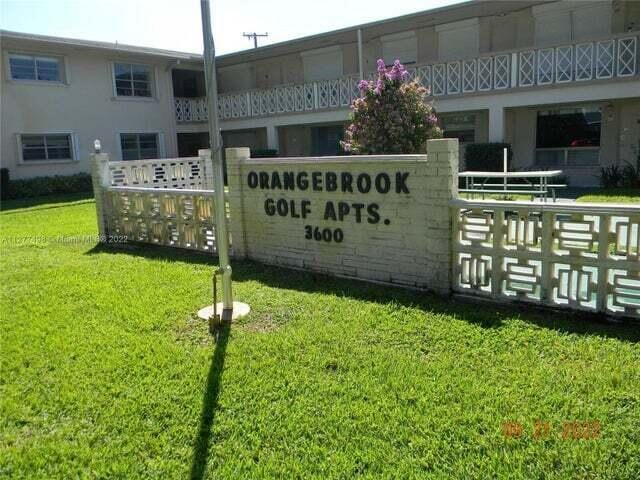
[{"x": 392, "y": 115}]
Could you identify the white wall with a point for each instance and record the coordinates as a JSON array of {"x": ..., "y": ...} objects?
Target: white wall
[
  {"x": 236, "y": 78},
  {"x": 402, "y": 46},
  {"x": 458, "y": 39},
  {"x": 571, "y": 20},
  {"x": 84, "y": 106},
  {"x": 322, "y": 64}
]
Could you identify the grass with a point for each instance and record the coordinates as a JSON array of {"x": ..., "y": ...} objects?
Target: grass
[
  {"x": 612, "y": 195},
  {"x": 106, "y": 372},
  {"x": 496, "y": 196}
]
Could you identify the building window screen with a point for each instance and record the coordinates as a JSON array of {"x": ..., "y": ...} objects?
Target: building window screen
[
  {"x": 462, "y": 127},
  {"x": 568, "y": 137},
  {"x": 132, "y": 80},
  {"x": 139, "y": 146},
  {"x": 29, "y": 67},
  {"x": 39, "y": 148}
]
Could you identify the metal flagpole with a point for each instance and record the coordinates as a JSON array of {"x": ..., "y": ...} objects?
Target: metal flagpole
[{"x": 221, "y": 234}]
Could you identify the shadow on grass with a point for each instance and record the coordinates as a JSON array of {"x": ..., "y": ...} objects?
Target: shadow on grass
[
  {"x": 46, "y": 202},
  {"x": 209, "y": 404},
  {"x": 480, "y": 312}
]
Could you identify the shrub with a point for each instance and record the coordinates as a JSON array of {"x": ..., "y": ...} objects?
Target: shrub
[
  {"x": 630, "y": 176},
  {"x": 392, "y": 115},
  {"x": 264, "y": 153},
  {"x": 610, "y": 176},
  {"x": 39, "y": 186},
  {"x": 614, "y": 176},
  {"x": 487, "y": 157}
]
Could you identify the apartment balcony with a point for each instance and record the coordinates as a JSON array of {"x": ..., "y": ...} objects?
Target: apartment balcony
[
  {"x": 601, "y": 60},
  {"x": 191, "y": 109}
]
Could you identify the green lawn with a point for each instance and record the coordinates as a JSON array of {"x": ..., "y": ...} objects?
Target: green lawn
[
  {"x": 612, "y": 195},
  {"x": 496, "y": 196},
  {"x": 106, "y": 373}
]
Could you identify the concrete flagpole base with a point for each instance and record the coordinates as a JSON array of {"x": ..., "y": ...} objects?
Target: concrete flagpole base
[{"x": 240, "y": 310}]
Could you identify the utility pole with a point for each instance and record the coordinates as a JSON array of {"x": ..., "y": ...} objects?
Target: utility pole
[
  {"x": 222, "y": 237},
  {"x": 255, "y": 36}
]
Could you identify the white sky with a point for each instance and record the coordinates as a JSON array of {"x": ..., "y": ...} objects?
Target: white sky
[{"x": 175, "y": 24}]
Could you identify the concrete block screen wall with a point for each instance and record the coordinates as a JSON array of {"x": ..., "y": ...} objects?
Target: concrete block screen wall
[{"x": 382, "y": 218}]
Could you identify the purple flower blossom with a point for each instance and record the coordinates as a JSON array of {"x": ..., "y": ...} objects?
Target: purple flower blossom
[
  {"x": 396, "y": 72},
  {"x": 397, "y": 118},
  {"x": 393, "y": 74},
  {"x": 379, "y": 87}
]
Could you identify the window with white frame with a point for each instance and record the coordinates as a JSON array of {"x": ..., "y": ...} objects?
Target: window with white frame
[
  {"x": 139, "y": 146},
  {"x": 37, "y": 68},
  {"x": 568, "y": 137},
  {"x": 460, "y": 126},
  {"x": 132, "y": 80},
  {"x": 46, "y": 147}
]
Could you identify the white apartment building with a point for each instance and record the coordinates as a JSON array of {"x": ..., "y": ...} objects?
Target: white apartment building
[{"x": 559, "y": 80}]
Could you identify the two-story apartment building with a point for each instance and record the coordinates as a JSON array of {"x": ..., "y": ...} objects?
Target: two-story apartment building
[{"x": 559, "y": 80}]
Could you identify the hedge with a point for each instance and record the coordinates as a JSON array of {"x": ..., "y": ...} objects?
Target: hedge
[
  {"x": 487, "y": 157},
  {"x": 264, "y": 153},
  {"x": 40, "y": 186},
  {"x": 4, "y": 182}
]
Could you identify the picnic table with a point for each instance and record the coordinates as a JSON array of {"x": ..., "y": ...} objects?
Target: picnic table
[{"x": 536, "y": 183}]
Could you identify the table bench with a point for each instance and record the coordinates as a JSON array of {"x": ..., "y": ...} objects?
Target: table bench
[{"x": 537, "y": 183}]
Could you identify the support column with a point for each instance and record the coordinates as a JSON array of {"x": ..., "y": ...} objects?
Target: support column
[
  {"x": 496, "y": 124},
  {"x": 235, "y": 180},
  {"x": 272, "y": 137},
  {"x": 441, "y": 186},
  {"x": 100, "y": 182}
]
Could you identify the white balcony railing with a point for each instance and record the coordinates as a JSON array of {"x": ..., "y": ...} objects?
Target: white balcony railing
[
  {"x": 191, "y": 109},
  {"x": 579, "y": 62}
]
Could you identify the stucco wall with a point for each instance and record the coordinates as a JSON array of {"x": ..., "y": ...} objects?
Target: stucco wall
[{"x": 85, "y": 106}]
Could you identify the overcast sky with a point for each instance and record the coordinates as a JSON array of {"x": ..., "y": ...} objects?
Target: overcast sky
[{"x": 175, "y": 24}]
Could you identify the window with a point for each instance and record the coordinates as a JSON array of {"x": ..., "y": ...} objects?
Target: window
[
  {"x": 29, "y": 67},
  {"x": 326, "y": 140},
  {"x": 462, "y": 127},
  {"x": 568, "y": 137},
  {"x": 138, "y": 146},
  {"x": 132, "y": 80},
  {"x": 38, "y": 148}
]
